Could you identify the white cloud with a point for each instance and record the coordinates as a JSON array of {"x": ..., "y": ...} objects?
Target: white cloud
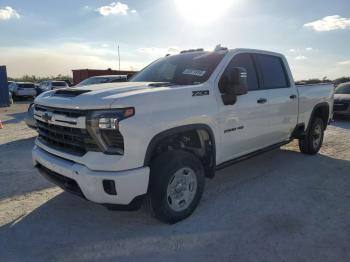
[
  {"x": 7, "y": 13},
  {"x": 114, "y": 9},
  {"x": 309, "y": 49},
  {"x": 329, "y": 23},
  {"x": 156, "y": 51},
  {"x": 133, "y": 11},
  {"x": 292, "y": 50},
  {"x": 346, "y": 62},
  {"x": 300, "y": 57}
]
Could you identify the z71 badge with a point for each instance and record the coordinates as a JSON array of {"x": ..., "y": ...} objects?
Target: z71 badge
[{"x": 200, "y": 93}]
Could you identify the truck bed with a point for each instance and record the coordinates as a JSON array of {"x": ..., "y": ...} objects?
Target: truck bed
[{"x": 311, "y": 95}]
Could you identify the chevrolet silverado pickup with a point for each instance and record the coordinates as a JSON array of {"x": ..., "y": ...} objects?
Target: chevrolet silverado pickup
[{"x": 155, "y": 138}]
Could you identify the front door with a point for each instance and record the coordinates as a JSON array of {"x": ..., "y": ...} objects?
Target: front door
[{"x": 244, "y": 125}]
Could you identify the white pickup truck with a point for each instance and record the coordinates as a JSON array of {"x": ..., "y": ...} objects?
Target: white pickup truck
[{"x": 158, "y": 136}]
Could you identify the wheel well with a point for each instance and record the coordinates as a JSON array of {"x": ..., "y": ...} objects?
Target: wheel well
[
  {"x": 322, "y": 112},
  {"x": 199, "y": 141}
]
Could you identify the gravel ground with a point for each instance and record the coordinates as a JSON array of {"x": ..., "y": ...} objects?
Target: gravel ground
[{"x": 279, "y": 206}]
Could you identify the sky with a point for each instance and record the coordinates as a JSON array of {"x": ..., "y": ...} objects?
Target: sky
[{"x": 53, "y": 37}]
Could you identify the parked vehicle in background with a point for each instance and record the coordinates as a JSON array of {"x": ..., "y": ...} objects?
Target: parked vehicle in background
[
  {"x": 342, "y": 100},
  {"x": 69, "y": 83},
  {"x": 51, "y": 85},
  {"x": 103, "y": 79},
  {"x": 29, "y": 119},
  {"x": 159, "y": 135},
  {"x": 10, "y": 97},
  {"x": 22, "y": 90}
]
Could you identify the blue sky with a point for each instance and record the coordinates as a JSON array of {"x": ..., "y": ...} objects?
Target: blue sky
[{"x": 52, "y": 37}]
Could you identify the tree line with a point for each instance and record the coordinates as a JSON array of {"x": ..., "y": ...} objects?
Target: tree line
[
  {"x": 336, "y": 81},
  {"x": 35, "y": 79}
]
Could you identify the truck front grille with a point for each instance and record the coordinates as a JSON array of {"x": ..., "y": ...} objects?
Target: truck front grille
[
  {"x": 71, "y": 140},
  {"x": 63, "y": 133},
  {"x": 65, "y": 130}
]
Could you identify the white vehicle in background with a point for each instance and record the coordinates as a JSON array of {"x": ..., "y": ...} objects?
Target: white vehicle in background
[
  {"x": 51, "y": 85},
  {"x": 95, "y": 80},
  {"x": 342, "y": 100},
  {"x": 22, "y": 90},
  {"x": 173, "y": 124}
]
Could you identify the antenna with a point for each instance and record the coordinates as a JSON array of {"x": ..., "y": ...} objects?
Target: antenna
[{"x": 119, "y": 57}]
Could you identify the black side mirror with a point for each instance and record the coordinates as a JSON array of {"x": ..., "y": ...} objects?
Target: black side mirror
[{"x": 234, "y": 83}]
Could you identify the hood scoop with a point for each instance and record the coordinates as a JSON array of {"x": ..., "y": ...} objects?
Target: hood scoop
[{"x": 70, "y": 92}]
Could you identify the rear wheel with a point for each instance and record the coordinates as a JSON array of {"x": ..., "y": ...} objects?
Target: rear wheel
[
  {"x": 313, "y": 139},
  {"x": 176, "y": 185}
]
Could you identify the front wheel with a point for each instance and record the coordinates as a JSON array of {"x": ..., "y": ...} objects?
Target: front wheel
[
  {"x": 176, "y": 185},
  {"x": 313, "y": 139}
]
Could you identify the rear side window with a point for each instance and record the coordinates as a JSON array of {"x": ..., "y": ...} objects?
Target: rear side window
[
  {"x": 272, "y": 71},
  {"x": 26, "y": 85},
  {"x": 59, "y": 84},
  {"x": 245, "y": 61}
]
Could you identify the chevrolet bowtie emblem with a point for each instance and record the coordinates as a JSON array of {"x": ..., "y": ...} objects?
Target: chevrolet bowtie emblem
[{"x": 47, "y": 116}]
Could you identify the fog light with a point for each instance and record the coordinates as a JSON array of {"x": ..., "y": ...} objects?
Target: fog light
[{"x": 109, "y": 187}]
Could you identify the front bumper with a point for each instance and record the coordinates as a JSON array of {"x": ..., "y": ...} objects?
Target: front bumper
[
  {"x": 25, "y": 94},
  {"x": 78, "y": 179}
]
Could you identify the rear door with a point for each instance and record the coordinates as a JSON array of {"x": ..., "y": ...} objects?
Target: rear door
[
  {"x": 244, "y": 124},
  {"x": 283, "y": 97}
]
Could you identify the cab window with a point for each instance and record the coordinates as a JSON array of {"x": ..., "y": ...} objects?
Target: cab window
[
  {"x": 272, "y": 71},
  {"x": 245, "y": 61}
]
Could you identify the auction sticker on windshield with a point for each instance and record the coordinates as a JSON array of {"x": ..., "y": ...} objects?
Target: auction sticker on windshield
[{"x": 194, "y": 72}]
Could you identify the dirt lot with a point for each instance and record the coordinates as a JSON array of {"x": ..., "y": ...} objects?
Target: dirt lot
[{"x": 279, "y": 206}]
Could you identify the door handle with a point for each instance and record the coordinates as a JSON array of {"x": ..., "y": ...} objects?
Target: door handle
[
  {"x": 261, "y": 101},
  {"x": 293, "y": 96}
]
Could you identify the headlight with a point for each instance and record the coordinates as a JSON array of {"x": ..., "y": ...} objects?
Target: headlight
[
  {"x": 103, "y": 126},
  {"x": 110, "y": 120}
]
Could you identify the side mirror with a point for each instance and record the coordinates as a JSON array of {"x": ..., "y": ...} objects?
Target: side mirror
[
  {"x": 232, "y": 84},
  {"x": 236, "y": 83}
]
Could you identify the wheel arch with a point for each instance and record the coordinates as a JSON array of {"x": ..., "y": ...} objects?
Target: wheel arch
[
  {"x": 320, "y": 110},
  {"x": 158, "y": 138}
]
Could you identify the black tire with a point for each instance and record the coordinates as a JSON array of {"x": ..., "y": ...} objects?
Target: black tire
[
  {"x": 163, "y": 170},
  {"x": 308, "y": 144}
]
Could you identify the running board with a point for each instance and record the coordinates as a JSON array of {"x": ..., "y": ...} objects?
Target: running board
[{"x": 250, "y": 155}]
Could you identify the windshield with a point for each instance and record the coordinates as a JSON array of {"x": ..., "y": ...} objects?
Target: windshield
[
  {"x": 182, "y": 69},
  {"x": 343, "y": 89},
  {"x": 59, "y": 84},
  {"x": 94, "y": 80}
]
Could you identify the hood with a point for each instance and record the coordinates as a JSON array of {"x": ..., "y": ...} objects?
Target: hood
[
  {"x": 340, "y": 97},
  {"x": 99, "y": 96}
]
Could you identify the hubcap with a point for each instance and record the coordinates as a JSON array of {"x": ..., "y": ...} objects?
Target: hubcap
[
  {"x": 317, "y": 135},
  {"x": 182, "y": 188}
]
